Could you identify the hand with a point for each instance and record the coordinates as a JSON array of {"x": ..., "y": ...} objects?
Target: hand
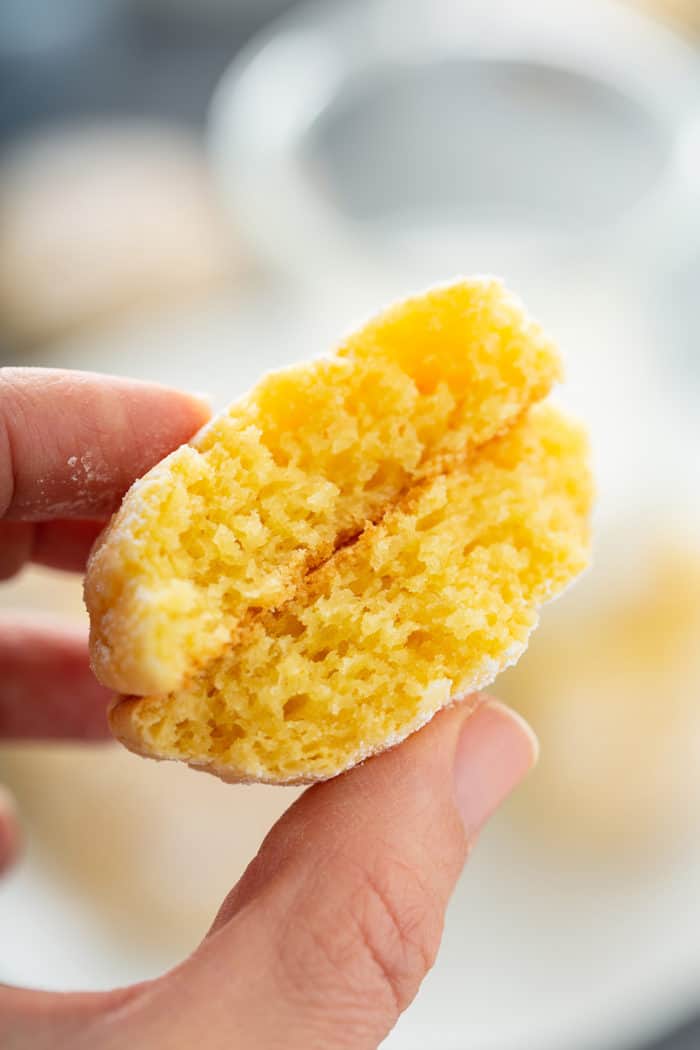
[{"x": 326, "y": 938}]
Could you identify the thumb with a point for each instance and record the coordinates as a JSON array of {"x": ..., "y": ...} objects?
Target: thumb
[{"x": 327, "y": 937}]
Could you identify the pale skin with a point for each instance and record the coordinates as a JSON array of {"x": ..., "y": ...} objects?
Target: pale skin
[{"x": 328, "y": 935}]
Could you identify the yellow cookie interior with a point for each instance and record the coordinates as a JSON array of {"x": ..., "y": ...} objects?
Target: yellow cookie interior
[
  {"x": 229, "y": 527},
  {"x": 427, "y": 604}
]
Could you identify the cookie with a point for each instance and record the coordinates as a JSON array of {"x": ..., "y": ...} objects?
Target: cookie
[{"x": 359, "y": 540}]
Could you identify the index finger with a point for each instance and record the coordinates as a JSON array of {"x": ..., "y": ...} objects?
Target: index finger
[{"x": 71, "y": 443}]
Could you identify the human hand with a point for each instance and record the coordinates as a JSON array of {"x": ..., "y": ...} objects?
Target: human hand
[{"x": 326, "y": 938}]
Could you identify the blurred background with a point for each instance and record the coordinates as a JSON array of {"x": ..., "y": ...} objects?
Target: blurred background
[{"x": 196, "y": 191}]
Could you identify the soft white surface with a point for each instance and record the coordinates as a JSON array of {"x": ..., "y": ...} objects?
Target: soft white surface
[{"x": 537, "y": 954}]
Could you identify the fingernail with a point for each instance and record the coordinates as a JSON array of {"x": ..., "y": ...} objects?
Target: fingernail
[
  {"x": 9, "y": 831},
  {"x": 495, "y": 751}
]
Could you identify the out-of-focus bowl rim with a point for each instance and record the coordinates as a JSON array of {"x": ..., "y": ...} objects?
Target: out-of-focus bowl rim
[{"x": 271, "y": 96}]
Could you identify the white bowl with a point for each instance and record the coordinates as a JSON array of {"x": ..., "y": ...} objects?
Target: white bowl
[{"x": 428, "y": 135}]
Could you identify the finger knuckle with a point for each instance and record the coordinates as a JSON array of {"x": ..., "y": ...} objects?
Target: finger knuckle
[
  {"x": 370, "y": 942},
  {"x": 398, "y": 928}
]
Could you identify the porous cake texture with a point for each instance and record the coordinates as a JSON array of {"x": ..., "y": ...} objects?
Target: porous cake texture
[{"x": 356, "y": 542}]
